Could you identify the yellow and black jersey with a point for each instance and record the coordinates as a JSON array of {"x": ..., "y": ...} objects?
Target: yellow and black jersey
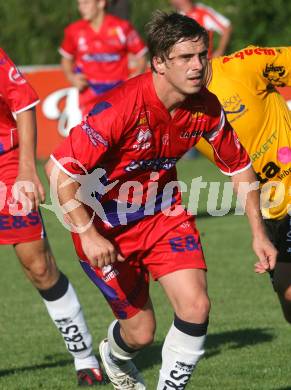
[{"x": 245, "y": 83}]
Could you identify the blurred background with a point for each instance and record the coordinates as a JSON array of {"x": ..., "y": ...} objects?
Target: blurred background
[{"x": 31, "y": 31}]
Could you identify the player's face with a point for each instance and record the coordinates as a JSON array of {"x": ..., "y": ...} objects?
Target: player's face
[
  {"x": 185, "y": 66},
  {"x": 89, "y": 9}
]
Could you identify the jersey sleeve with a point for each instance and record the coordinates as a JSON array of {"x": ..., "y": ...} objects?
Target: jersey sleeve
[
  {"x": 87, "y": 143},
  {"x": 214, "y": 21},
  {"x": 267, "y": 65},
  {"x": 228, "y": 153},
  {"x": 134, "y": 42},
  {"x": 68, "y": 45},
  {"x": 16, "y": 91}
]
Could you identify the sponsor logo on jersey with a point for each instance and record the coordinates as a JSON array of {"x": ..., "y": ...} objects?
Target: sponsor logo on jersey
[
  {"x": 109, "y": 273},
  {"x": 15, "y": 76},
  {"x": 265, "y": 147},
  {"x": 144, "y": 134},
  {"x": 101, "y": 57},
  {"x": 233, "y": 105},
  {"x": 8, "y": 222},
  {"x": 274, "y": 73},
  {"x": 143, "y": 139},
  {"x": 249, "y": 52},
  {"x": 158, "y": 164},
  {"x": 95, "y": 137},
  {"x": 269, "y": 171},
  {"x": 185, "y": 134},
  {"x": 185, "y": 244}
]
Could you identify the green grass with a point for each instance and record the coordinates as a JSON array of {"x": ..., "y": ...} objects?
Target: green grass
[{"x": 248, "y": 346}]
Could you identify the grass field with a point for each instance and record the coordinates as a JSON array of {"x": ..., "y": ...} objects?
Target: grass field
[{"x": 248, "y": 347}]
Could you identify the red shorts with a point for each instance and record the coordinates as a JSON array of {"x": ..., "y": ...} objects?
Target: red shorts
[
  {"x": 157, "y": 245},
  {"x": 15, "y": 229}
]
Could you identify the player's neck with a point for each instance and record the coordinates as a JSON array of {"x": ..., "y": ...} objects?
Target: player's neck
[
  {"x": 97, "y": 21},
  {"x": 167, "y": 94}
]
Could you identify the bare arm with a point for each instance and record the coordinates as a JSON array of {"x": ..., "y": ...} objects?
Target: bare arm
[
  {"x": 262, "y": 246},
  {"x": 77, "y": 80},
  {"x": 223, "y": 42},
  {"x": 98, "y": 250},
  {"x": 26, "y": 126},
  {"x": 140, "y": 65}
]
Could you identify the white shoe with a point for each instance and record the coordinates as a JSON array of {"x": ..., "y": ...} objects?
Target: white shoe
[{"x": 125, "y": 377}]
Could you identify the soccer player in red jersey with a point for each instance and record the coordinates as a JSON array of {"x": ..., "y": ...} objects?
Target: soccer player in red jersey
[
  {"x": 95, "y": 52},
  {"x": 21, "y": 225},
  {"x": 122, "y": 160},
  {"x": 211, "y": 20}
]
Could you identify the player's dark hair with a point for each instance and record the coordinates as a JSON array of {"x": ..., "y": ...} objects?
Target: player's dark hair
[{"x": 165, "y": 30}]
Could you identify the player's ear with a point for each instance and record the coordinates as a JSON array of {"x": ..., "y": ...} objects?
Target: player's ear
[
  {"x": 102, "y": 4},
  {"x": 159, "y": 65}
]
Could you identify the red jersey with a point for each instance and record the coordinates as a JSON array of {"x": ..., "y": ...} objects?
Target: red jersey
[
  {"x": 102, "y": 56},
  {"x": 133, "y": 138},
  {"x": 16, "y": 95},
  {"x": 210, "y": 19}
]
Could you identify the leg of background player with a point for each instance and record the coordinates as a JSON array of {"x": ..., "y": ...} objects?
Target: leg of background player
[
  {"x": 282, "y": 285},
  {"x": 63, "y": 306}
]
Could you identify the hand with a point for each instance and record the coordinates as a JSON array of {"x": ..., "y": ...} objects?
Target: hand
[
  {"x": 266, "y": 253},
  {"x": 29, "y": 185},
  {"x": 217, "y": 53},
  {"x": 98, "y": 250},
  {"x": 79, "y": 81}
]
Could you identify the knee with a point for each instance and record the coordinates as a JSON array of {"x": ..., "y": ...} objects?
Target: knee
[
  {"x": 287, "y": 295},
  {"x": 285, "y": 299},
  {"x": 194, "y": 310},
  {"x": 141, "y": 337},
  {"x": 42, "y": 271}
]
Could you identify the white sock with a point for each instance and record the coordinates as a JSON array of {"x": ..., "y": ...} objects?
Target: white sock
[
  {"x": 116, "y": 355},
  {"x": 66, "y": 313},
  {"x": 180, "y": 355}
]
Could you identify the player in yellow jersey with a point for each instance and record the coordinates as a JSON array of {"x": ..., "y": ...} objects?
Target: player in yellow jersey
[{"x": 245, "y": 83}]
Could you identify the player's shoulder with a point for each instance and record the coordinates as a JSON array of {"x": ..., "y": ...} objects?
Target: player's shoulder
[
  {"x": 203, "y": 8},
  {"x": 5, "y": 61},
  {"x": 249, "y": 53},
  {"x": 209, "y": 101},
  {"x": 116, "y": 21},
  {"x": 120, "y": 102},
  {"x": 2, "y": 54}
]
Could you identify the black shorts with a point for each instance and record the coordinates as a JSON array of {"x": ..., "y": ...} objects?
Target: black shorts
[{"x": 279, "y": 232}]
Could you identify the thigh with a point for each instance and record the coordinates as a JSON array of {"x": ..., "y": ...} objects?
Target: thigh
[
  {"x": 180, "y": 248},
  {"x": 187, "y": 292},
  {"x": 139, "y": 327},
  {"x": 125, "y": 286},
  {"x": 38, "y": 263}
]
